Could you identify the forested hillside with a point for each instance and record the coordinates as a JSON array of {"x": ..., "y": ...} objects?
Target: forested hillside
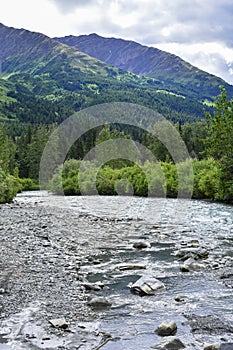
[
  {"x": 58, "y": 79},
  {"x": 176, "y": 74}
]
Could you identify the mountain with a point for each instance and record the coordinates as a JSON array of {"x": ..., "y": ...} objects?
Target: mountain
[
  {"x": 45, "y": 81},
  {"x": 150, "y": 62}
]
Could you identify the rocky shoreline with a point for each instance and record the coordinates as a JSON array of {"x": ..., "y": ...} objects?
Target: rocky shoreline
[{"x": 59, "y": 268}]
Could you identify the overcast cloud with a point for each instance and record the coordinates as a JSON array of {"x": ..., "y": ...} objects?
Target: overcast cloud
[{"x": 200, "y": 31}]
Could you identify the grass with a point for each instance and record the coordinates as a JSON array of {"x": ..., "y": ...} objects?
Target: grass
[
  {"x": 208, "y": 103},
  {"x": 169, "y": 93}
]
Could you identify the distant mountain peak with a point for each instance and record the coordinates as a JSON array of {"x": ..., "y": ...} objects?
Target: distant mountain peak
[{"x": 147, "y": 61}]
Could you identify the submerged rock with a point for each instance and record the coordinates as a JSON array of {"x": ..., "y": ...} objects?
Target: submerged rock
[
  {"x": 147, "y": 285},
  {"x": 141, "y": 245},
  {"x": 181, "y": 298},
  {"x": 227, "y": 277},
  {"x": 194, "y": 253},
  {"x": 208, "y": 325},
  {"x": 166, "y": 329},
  {"x": 171, "y": 343}
]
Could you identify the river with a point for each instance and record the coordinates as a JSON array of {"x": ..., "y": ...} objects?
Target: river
[{"x": 198, "y": 298}]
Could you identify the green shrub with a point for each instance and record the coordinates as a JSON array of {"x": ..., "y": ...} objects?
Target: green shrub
[
  {"x": 9, "y": 187},
  {"x": 171, "y": 177},
  {"x": 206, "y": 179},
  {"x": 153, "y": 179},
  {"x": 28, "y": 185}
]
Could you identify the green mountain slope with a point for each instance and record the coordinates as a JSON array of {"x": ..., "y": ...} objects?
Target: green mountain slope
[
  {"x": 151, "y": 62},
  {"x": 44, "y": 81}
]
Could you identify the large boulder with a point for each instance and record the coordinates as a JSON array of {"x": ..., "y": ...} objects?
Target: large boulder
[
  {"x": 147, "y": 285},
  {"x": 166, "y": 329}
]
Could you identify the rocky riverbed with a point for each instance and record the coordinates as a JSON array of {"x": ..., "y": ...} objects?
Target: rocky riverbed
[{"x": 72, "y": 278}]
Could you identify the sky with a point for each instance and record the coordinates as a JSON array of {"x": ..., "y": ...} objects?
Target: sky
[{"x": 199, "y": 31}]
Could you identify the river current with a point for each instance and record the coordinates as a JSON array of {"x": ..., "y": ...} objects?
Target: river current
[{"x": 167, "y": 225}]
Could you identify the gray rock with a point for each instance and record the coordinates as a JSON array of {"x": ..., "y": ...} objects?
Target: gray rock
[
  {"x": 171, "y": 343},
  {"x": 166, "y": 328},
  {"x": 190, "y": 265},
  {"x": 147, "y": 285},
  {"x": 99, "y": 304},
  {"x": 59, "y": 323}
]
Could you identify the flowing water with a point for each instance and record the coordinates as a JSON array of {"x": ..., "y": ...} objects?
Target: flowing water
[{"x": 167, "y": 225}]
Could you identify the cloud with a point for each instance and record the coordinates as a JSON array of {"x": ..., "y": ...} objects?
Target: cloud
[
  {"x": 180, "y": 21},
  {"x": 214, "y": 58},
  {"x": 196, "y": 30},
  {"x": 68, "y": 6},
  {"x": 177, "y": 21}
]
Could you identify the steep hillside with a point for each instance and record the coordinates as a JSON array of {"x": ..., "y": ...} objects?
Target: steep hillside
[
  {"x": 151, "y": 62},
  {"x": 45, "y": 81}
]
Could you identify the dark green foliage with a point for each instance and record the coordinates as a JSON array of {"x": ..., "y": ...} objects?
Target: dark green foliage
[
  {"x": 207, "y": 174},
  {"x": 28, "y": 184},
  {"x": 9, "y": 187},
  {"x": 219, "y": 143}
]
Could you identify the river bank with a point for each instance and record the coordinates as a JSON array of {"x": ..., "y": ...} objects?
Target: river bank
[{"x": 67, "y": 261}]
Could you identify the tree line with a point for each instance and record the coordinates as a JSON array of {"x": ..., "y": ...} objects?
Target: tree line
[{"x": 209, "y": 142}]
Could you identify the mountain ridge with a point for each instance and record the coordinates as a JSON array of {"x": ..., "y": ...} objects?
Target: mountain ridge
[
  {"x": 58, "y": 78},
  {"x": 147, "y": 61}
]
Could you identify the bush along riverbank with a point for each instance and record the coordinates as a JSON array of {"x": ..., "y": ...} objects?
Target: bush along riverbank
[
  {"x": 151, "y": 179},
  {"x": 9, "y": 186}
]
